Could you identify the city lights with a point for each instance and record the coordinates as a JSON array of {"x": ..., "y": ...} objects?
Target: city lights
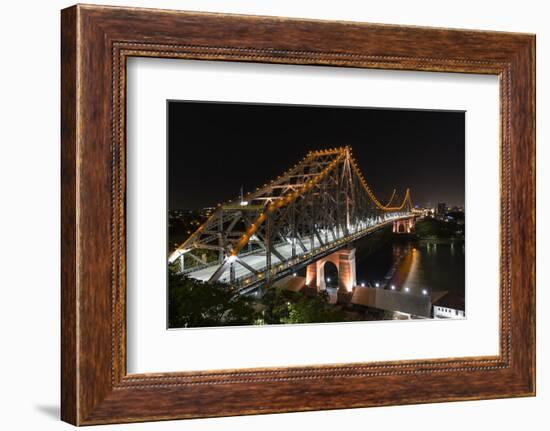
[{"x": 406, "y": 289}]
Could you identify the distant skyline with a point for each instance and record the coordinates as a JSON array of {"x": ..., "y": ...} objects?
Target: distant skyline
[{"x": 214, "y": 149}]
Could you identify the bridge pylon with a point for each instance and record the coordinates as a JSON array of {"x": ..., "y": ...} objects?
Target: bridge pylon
[
  {"x": 344, "y": 259},
  {"x": 403, "y": 226}
]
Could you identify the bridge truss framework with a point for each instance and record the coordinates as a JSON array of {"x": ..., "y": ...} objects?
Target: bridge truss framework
[{"x": 320, "y": 204}]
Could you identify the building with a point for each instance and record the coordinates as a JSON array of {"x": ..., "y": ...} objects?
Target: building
[
  {"x": 441, "y": 210},
  {"x": 450, "y": 306}
]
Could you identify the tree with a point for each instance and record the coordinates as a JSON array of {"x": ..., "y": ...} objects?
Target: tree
[
  {"x": 276, "y": 302},
  {"x": 283, "y": 306},
  {"x": 314, "y": 310},
  {"x": 193, "y": 303}
]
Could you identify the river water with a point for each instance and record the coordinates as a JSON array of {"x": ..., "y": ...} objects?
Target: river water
[{"x": 423, "y": 267}]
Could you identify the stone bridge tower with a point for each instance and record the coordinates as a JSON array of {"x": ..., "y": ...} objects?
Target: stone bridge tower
[
  {"x": 403, "y": 225},
  {"x": 344, "y": 259}
]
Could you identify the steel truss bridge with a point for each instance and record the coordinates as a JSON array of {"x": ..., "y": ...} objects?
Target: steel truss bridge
[{"x": 316, "y": 207}]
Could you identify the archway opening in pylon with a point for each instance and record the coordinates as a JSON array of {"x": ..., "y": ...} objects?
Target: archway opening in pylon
[
  {"x": 331, "y": 274},
  {"x": 401, "y": 228}
]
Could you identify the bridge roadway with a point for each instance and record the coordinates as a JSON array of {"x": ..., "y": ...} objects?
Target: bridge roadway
[{"x": 257, "y": 260}]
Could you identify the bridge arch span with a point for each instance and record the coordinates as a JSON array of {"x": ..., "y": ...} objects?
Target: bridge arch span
[{"x": 331, "y": 274}]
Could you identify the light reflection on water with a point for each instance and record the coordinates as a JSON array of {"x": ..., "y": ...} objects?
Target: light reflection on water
[{"x": 419, "y": 266}]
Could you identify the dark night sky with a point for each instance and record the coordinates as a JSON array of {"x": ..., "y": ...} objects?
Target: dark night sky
[{"x": 215, "y": 148}]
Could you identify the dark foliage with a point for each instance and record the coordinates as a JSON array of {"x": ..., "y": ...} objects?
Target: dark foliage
[
  {"x": 431, "y": 228},
  {"x": 282, "y": 306},
  {"x": 192, "y": 303}
]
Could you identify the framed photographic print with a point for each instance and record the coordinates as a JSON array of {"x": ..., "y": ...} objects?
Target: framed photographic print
[
  {"x": 267, "y": 215},
  {"x": 333, "y": 242}
]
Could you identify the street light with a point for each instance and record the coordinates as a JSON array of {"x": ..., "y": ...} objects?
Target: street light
[
  {"x": 392, "y": 287},
  {"x": 406, "y": 289},
  {"x": 377, "y": 284},
  {"x": 424, "y": 292},
  {"x": 362, "y": 284}
]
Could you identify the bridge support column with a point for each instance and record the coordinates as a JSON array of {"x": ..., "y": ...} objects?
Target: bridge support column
[
  {"x": 346, "y": 269},
  {"x": 321, "y": 283},
  {"x": 232, "y": 272},
  {"x": 182, "y": 262},
  {"x": 311, "y": 274}
]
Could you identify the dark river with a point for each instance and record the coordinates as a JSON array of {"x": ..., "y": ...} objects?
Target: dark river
[{"x": 418, "y": 265}]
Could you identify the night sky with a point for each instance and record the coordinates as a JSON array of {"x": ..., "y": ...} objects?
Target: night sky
[{"x": 215, "y": 148}]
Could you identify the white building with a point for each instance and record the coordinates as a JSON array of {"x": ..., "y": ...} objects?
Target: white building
[
  {"x": 441, "y": 312},
  {"x": 449, "y": 306}
]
